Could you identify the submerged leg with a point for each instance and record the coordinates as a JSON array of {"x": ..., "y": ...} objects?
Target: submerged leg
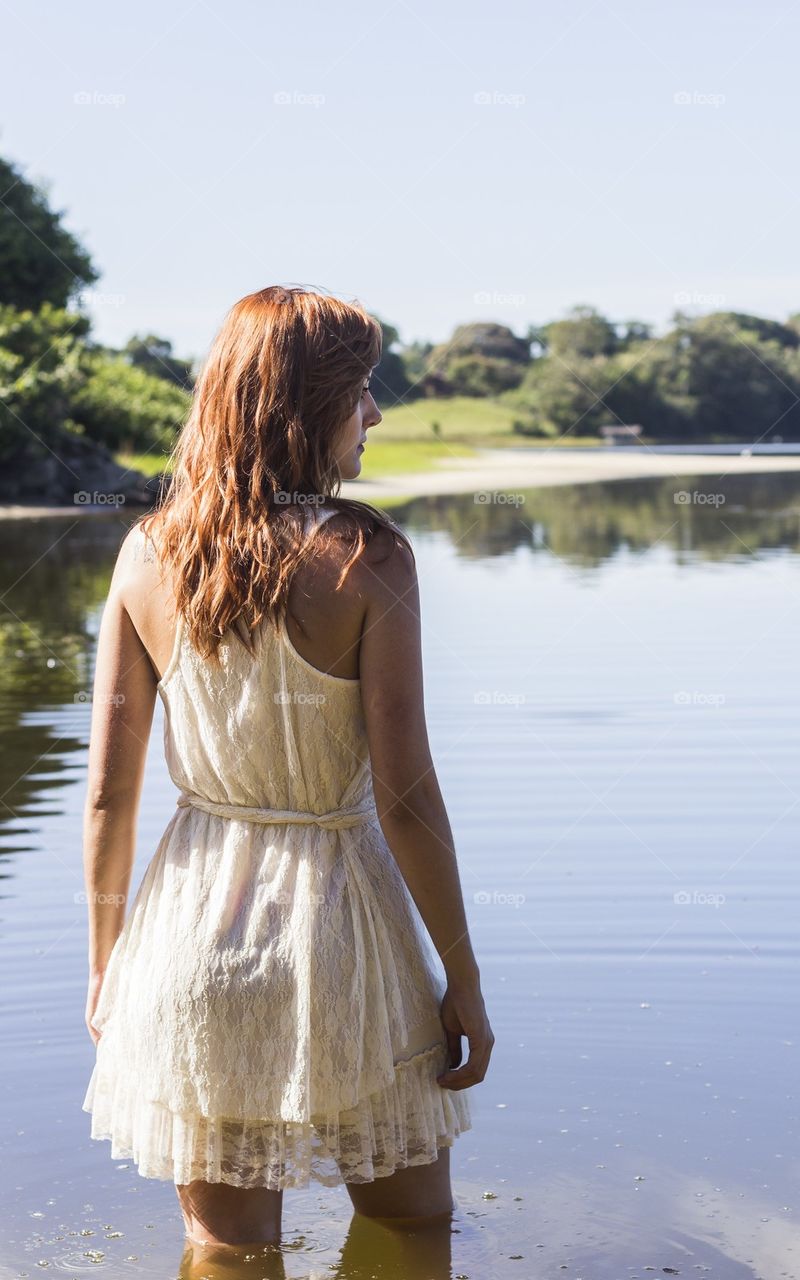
[
  {"x": 402, "y": 1223},
  {"x": 418, "y": 1249},
  {"x": 217, "y": 1213},
  {"x": 231, "y": 1262}
]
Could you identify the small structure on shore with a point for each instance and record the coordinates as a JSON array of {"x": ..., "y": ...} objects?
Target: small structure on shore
[{"x": 622, "y": 433}]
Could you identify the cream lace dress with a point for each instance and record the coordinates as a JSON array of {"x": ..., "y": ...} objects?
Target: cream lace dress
[{"x": 270, "y": 1010}]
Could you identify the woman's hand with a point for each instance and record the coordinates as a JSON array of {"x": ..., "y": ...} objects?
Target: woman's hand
[
  {"x": 93, "y": 995},
  {"x": 463, "y": 1014}
]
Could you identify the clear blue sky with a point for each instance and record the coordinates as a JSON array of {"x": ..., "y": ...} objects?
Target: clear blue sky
[{"x": 574, "y": 177}]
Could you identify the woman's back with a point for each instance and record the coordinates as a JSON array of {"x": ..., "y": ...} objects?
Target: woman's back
[
  {"x": 324, "y": 623},
  {"x": 270, "y": 729},
  {"x": 273, "y": 986}
]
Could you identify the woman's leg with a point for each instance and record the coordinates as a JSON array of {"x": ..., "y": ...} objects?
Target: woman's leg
[
  {"x": 231, "y": 1262},
  {"x": 421, "y": 1250},
  {"x": 216, "y": 1213},
  {"x": 416, "y": 1192},
  {"x": 402, "y": 1223}
]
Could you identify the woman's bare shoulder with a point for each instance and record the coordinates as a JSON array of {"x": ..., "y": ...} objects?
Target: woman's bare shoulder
[
  {"x": 139, "y": 547},
  {"x": 386, "y": 552},
  {"x": 139, "y": 573}
]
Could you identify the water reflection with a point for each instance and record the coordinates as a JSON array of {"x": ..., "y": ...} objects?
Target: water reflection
[
  {"x": 54, "y": 576},
  {"x": 645, "y": 1065},
  {"x": 702, "y": 517},
  {"x": 371, "y": 1251}
]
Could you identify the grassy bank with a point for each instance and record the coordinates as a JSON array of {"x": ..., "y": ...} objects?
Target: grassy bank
[
  {"x": 417, "y": 436},
  {"x": 381, "y": 457}
]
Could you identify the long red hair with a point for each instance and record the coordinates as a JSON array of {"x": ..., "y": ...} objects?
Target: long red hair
[{"x": 282, "y": 377}]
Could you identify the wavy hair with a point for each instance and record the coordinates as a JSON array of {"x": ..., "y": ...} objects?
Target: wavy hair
[{"x": 282, "y": 377}]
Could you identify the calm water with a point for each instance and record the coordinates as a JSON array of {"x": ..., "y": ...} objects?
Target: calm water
[{"x": 612, "y": 694}]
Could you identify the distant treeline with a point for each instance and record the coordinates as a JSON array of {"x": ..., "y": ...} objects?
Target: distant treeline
[{"x": 724, "y": 376}]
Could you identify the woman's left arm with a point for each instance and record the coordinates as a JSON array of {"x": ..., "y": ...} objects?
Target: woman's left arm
[{"x": 123, "y": 701}]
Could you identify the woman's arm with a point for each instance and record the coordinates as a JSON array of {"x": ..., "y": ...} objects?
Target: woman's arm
[
  {"x": 123, "y": 700},
  {"x": 408, "y": 799}
]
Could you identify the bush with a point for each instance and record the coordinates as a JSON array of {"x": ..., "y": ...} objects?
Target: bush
[
  {"x": 125, "y": 408},
  {"x": 42, "y": 367}
]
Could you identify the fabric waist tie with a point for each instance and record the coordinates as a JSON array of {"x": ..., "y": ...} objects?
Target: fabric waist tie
[{"x": 334, "y": 821}]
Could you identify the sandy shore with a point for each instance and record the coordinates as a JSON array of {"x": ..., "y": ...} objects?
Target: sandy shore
[{"x": 504, "y": 470}]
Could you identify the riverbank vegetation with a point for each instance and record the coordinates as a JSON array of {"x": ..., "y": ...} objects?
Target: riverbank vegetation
[{"x": 725, "y": 376}]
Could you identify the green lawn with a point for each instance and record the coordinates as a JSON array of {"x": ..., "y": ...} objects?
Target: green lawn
[
  {"x": 393, "y": 457},
  {"x": 381, "y": 457},
  {"x": 152, "y": 464},
  {"x": 405, "y": 439},
  {"x": 461, "y": 419}
]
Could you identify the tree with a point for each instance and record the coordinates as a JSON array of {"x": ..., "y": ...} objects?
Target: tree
[
  {"x": 389, "y": 376},
  {"x": 738, "y": 376},
  {"x": 756, "y": 327},
  {"x": 629, "y": 332},
  {"x": 41, "y": 261},
  {"x": 557, "y": 398},
  {"x": 416, "y": 357},
  {"x": 477, "y": 375},
  {"x": 723, "y": 376},
  {"x": 154, "y": 355},
  {"x": 492, "y": 341},
  {"x": 479, "y": 359},
  {"x": 584, "y": 333},
  {"x": 794, "y": 322}
]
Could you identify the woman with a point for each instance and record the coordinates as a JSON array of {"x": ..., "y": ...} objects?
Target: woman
[{"x": 271, "y": 1010}]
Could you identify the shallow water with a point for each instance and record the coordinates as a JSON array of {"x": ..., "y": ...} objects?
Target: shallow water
[{"x": 613, "y": 711}]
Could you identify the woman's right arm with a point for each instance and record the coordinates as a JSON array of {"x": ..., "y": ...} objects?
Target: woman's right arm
[{"x": 408, "y": 799}]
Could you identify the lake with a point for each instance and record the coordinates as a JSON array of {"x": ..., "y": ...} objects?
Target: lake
[{"x": 612, "y": 696}]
